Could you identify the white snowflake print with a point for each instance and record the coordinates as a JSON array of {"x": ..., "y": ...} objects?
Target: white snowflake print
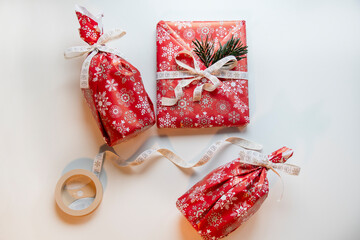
[
  {"x": 143, "y": 105},
  {"x": 221, "y": 32},
  {"x": 111, "y": 85},
  {"x": 189, "y": 34},
  {"x": 216, "y": 178},
  {"x": 130, "y": 117},
  {"x": 182, "y": 24},
  {"x": 125, "y": 97},
  {"x": 240, "y": 211},
  {"x": 219, "y": 119},
  {"x": 222, "y": 106},
  {"x": 215, "y": 219},
  {"x": 115, "y": 111},
  {"x": 144, "y": 122},
  {"x": 224, "y": 89},
  {"x": 240, "y": 105},
  {"x": 184, "y": 105},
  {"x": 90, "y": 33},
  {"x": 164, "y": 66},
  {"x": 247, "y": 119},
  {"x": 205, "y": 29},
  {"x": 169, "y": 51},
  {"x": 235, "y": 86},
  {"x": 162, "y": 35},
  {"x": 203, "y": 120},
  {"x": 160, "y": 108},
  {"x": 226, "y": 201},
  {"x": 167, "y": 121},
  {"x": 206, "y": 101},
  {"x": 196, "y": 194},
  {"x": 236, "y": 28},
  {"x": 182, "y": 206},
  {"x": 234, "y": 117},
  {"x": 186, "y": 122},
  {"x": 102, "y": 103},
  {"x": 101, "y": 70},
  {"x": 138, "y": 88},
  {"x": 120, "y": 127},
  {"x": 165, "y": 86}
]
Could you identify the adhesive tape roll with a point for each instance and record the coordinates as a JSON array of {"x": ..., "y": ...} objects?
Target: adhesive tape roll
[{"x": 78, "y": 192}]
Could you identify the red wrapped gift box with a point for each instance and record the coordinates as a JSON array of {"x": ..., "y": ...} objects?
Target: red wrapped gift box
[
  {"x": 227, "y": 105},
  {"x": 232, "y": 193},
  {"x": 113, "y": 88}
]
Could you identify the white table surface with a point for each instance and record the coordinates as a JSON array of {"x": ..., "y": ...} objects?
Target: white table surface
[{"x": 304, "y": 60}]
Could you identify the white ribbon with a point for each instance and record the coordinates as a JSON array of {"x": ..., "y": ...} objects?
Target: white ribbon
[
  {"x": 261, "y": 160},
  {"x": 99, "y": 46},
  {"x": 219, "y": 69},
  {"x": 175, "y": 159}
]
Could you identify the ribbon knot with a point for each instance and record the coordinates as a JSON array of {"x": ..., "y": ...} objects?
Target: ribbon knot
[
  {"x": 219, "y": 69},
  {"x": 96, "y": 46},
  {"x": 92, "y": 50}
]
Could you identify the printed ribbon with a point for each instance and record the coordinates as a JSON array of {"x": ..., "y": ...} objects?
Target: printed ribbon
[
  {"x": 99, "y": 46},
  {"x": 178, "y": 161},
  {"x": 219, "y": 69},
  {"x": 258, "y": 159},
  {"x": 261, "y": 160}
]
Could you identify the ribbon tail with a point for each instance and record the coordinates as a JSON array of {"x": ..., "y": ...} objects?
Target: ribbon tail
[
  {"x": 168, "y": 101},
  {"x": 111, "y": 35},
  {"x": 175, "y": 159},
  {"x": 84, "y": 75},
  {"x": 74, "y": 52}
]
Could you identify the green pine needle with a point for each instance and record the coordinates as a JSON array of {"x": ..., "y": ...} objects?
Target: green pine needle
[{"x": 205, "y": 50}]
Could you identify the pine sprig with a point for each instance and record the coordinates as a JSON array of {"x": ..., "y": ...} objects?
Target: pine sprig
[
  {"x": 232, "y": 47},
  {"x": 205, "y": 50}
]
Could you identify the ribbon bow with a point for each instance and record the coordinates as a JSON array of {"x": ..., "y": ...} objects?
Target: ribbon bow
[
  {"x": 219, "y": 69},
  {"x": 261, "y": 160},
  {"x": 258, "y": 159},
  {"x": 99, "y": 46}
]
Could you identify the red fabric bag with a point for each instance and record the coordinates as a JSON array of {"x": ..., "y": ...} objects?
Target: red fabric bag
[
  {"x": 232, "y": 193},
  {"x": 112, "y": 87}
]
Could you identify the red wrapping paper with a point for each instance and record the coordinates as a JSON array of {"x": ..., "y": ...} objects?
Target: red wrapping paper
[
  {"x": 116, "y": 94},
  {"x": 228, "y": 196},
  {"x": 228, "y": 105}
]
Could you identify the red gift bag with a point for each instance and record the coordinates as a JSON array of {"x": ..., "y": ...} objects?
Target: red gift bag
[
  {"x": 232, "y": 193},
  {"x": 112, "y": 87}
]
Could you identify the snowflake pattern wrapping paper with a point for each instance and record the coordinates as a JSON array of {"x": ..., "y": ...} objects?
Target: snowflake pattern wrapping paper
[
  {"x": 229, "y": 195},
  {"x": 115, "y": 92},
  {"x": 227, "y": 105}
]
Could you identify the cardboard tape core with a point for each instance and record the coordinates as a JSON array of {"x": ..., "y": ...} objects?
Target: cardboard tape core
[{"x": 78, "y": 192}]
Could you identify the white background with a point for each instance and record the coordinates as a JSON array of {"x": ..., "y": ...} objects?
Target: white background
[{"x": 303, "y": 59}]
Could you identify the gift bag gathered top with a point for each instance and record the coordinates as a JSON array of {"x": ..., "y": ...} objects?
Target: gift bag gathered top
[
  {"x": 201, "y": 74},
  {"x": 112, "y": 87}
]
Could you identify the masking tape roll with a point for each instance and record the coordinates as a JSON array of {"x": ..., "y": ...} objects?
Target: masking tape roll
[{"x": 65, "y": 195}]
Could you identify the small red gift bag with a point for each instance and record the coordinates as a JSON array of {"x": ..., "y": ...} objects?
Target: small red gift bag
[
  {"x": 232, "y": 193},
  {"x": 112, "y": 87}
]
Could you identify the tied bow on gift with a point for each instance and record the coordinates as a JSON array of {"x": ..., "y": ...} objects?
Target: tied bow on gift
[
  {"x": 219, "y": 69},
  {"x": 271, "y": 161},
  {"x": 92, "y": 50},
  {"x": 274, "y": 161}
]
